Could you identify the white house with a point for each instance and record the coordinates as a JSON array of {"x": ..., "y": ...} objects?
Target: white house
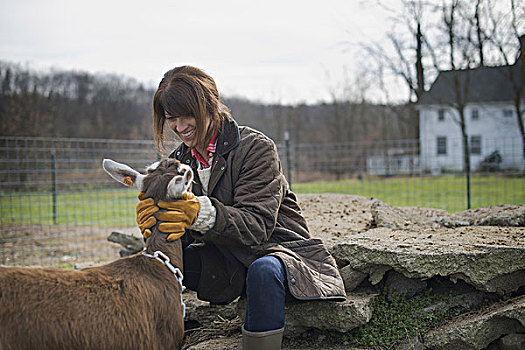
[{"x": 490, "y": 118}]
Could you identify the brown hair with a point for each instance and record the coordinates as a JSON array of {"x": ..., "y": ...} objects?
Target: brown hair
[{"x": 188, "y": 92}]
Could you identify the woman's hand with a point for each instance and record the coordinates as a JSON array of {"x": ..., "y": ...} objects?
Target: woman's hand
[
  {"x": 179, "y": 215},
  {"x": 145, "y": 219}
]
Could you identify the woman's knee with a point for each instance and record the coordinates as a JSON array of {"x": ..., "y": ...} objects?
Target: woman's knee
[{"x": 264, "y": 270}]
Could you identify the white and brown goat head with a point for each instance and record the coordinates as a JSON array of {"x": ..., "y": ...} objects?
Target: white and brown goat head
[{"x": 167, "y": 179}]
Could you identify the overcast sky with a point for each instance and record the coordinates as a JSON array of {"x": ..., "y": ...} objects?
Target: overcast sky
[{"x": 271, "y": 51}]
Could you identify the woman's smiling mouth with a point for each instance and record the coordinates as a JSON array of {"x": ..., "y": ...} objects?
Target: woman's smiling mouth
[{"x": 188, "y": 134}]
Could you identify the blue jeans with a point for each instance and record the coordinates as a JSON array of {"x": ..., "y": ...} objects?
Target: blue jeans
[
  {"x": 265, "y": 295},
  {"x": 265, "y": 290}
]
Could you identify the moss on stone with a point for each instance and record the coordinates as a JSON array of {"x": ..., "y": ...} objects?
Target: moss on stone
[{"x": 396, "y": 320}]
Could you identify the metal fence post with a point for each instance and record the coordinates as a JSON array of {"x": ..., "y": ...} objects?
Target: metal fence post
[
  {"x": 288, "y": 164},
  {"x": 54, "y": 184},
  {"x": 468, "y": 189}
]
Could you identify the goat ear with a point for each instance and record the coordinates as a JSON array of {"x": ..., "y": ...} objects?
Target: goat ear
[
  {"x": 175, "y": 187},
  {"x": 180, "y": 183},
  {"x": 188, "y": 179},
  {"x": 123, "y": 173}
]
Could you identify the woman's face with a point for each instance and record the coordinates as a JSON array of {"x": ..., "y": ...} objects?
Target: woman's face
[{"x": 185, "y": 128}]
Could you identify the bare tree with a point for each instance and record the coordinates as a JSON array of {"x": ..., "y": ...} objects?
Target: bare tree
[
  {"x": 454, "y": 54},
  {"x": 479, "y": 32},
  {"x": 460, "y": 79},
  {"x": 403, "y": 55},
  {"x": 404, "y": 59},
  {"x": 72, "y": 104},
  {"x": 506, "y": 33}
]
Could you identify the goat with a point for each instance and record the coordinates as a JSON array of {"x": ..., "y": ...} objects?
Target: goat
[{"x": 130, "y": 303}]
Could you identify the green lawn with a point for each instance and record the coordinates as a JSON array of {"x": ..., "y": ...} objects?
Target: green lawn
[
  {"x": 117, "y": 206},
  {"x": 447, "y": 192},
  {"x": 101, "y": 207}
]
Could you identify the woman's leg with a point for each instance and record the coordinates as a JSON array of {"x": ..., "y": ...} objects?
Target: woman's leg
[{"x": 265, "y": 295}]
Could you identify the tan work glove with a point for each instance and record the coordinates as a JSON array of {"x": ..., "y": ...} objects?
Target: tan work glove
[
  {"x": 180, "y": 215},
  {"x": 145, "y": 219}
]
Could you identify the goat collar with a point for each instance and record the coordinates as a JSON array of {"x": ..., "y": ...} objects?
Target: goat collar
[{"x": 165, "y": 260}]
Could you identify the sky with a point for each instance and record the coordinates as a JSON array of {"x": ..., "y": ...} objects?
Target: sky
[{"x": 271, "y": 51}]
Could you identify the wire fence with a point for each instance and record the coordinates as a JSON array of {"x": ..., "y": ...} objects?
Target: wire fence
[
  {"x": 58, "y": 206},
  {"x": 413, "y": 173}
]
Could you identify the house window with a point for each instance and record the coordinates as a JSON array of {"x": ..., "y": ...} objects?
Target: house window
[
  {"x": 474, "y": 114},
  {"x": 441, "y": 115},
  {"x": 441, "y": 145},
  {"x": 507, "y": 113},
  {"x": 475, "y": 144}
]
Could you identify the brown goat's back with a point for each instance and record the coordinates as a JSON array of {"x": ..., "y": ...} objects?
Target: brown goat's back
[{"x": 131, "y": 303}]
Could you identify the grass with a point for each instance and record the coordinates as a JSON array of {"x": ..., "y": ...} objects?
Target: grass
[
  {"x": 117, "y": 206},
  {"x": 399, "y": 319},
  {"x": 101, "y": 207},
  {"x": 393, "y": 321},
  {"x": 445, "y": 192}
]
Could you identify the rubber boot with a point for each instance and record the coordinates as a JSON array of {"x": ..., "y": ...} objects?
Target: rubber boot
[{"x": 269, "y": 340}]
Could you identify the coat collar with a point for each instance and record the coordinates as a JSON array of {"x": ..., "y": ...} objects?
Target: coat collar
[{"x": 229, "y": 138}]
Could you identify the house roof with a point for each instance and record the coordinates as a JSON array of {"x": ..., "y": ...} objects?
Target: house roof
[{"x": 485, "y": 84}]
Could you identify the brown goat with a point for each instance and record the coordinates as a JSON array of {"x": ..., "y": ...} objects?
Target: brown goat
[{"x": 131, "y": 303}]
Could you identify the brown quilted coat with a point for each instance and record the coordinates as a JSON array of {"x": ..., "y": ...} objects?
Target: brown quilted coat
[{"x": 257, "y": 215}]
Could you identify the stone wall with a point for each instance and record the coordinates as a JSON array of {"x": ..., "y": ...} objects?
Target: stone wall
[{"x": 470, "y": 265}]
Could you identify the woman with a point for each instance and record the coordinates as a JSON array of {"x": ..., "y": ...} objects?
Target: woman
[{"x": 245, "y": 232}]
